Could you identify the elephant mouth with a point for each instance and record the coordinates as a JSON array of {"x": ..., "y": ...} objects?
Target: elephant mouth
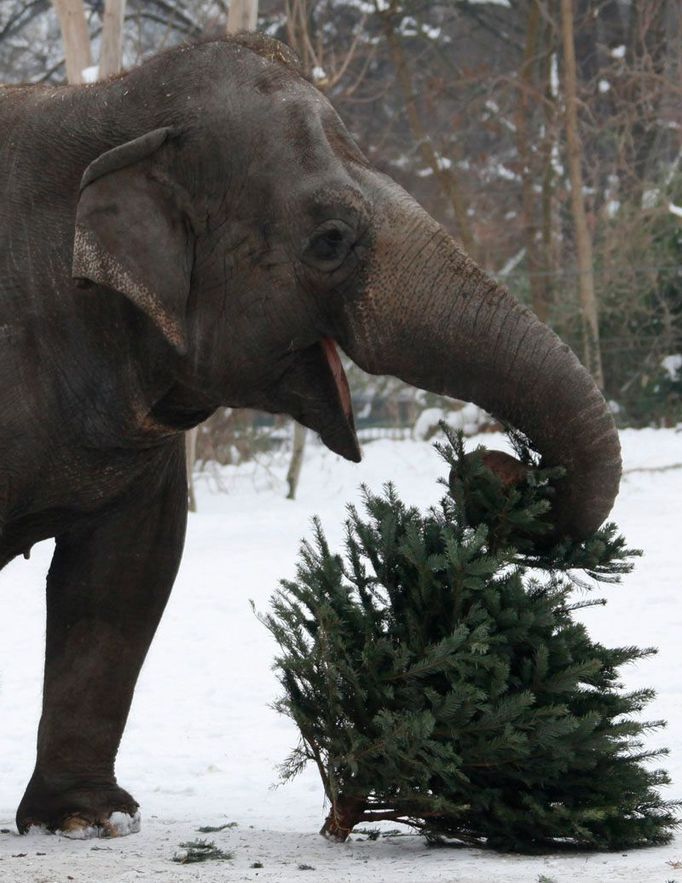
[
  {"x": 314, "y": 390},
  {"x": 334, "y": 421}
]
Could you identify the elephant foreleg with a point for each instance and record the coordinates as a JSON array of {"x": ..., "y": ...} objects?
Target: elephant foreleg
[{"x": 106, "y": 590}]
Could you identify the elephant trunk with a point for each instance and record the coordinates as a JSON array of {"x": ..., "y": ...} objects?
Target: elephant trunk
[{"x": 430, "y": 316}]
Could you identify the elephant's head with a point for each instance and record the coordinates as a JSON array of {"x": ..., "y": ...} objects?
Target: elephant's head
[{"x": 253, "y": 233}]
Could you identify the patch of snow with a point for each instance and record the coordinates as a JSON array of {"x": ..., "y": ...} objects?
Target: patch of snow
[
  {"x": 612, "y": 208},
  {"x": 90, "y": 74},
  {"x": 431, "y": 32},
  {"x": 554, "y": 75},
  {"x": 675, "y": 209},
  {"x": 408, "y": 26},
  {"x": 604, "y": 86},
  {"x": 400, "y": 162},
  {"x": 617, "y": 52},
  {"x": 119, "y": 824},
  {"x": 672, "y": 365},
  {"x": 426, "y": 422},
  {"x": 513, "y": 262},
  {"x": 650, "y": 198},
  {"x": 505, "y": 173},
  {"x": 366, "y": 8},
  {"x": 273, "y": 28},
  {"x": 123, "y": 824},
  {"x": 469, "y": 419},
  {"x": 557, "y": 165}
]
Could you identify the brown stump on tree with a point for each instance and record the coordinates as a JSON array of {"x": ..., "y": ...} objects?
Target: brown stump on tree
[{"x": 344, "y": 814}]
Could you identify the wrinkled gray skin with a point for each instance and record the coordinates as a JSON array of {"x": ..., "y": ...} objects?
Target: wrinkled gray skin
[{"x": 196, "y": 233}]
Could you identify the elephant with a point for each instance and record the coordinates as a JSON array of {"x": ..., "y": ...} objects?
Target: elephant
[{"x": 202, "y": 231}]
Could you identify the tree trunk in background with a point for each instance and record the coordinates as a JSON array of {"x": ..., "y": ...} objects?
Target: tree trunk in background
[
  {"x": 111, "y": 53},
  {"x": 243, "y": 16},
  {"x": 447, "y": 177},
  {"x": 549, "y": 140},
  {"x": 190, "y": 456},
  {"x": 294, "y": 473},
  {"x": 583, "y": 242},
  {"x": 528, "y": 84},
  {"x": 646, "y": 54},
  {"x": 76, "y": 38}
]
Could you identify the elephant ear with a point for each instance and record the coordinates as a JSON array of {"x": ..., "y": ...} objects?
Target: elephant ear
[{"x": 132, "y": 235}]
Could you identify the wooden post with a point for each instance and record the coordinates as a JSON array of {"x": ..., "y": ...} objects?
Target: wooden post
[
  {"x": 583, "y": 242},
  {"x": 76, "y": 37},
  {"x": 111, "y": 53}
]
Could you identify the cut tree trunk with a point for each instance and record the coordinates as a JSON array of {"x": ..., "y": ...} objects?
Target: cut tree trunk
[{"x": 344, "y": 815}]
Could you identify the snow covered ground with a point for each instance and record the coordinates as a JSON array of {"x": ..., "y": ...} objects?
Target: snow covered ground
[{"x": 202, "y": 744}]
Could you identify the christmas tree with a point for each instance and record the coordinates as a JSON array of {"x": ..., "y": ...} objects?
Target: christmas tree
[{"x": 439, "y": 678}]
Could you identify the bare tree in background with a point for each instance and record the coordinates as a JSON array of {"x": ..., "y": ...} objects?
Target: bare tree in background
[
  {"x": 446, "y": 176},
  {"x": 583, "y": 240},
  {"x": 294, "y": 473},
  {"x": 111, "y": 52},
  {"x": 190, "y": 457},
  {"x": 528, "y": 97},
  {"x": 76, "y": 37}
]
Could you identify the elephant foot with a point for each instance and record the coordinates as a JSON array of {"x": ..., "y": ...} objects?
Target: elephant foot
[
  {"x": 79, "y": 812},
  {"x": 119, "y": 824}
]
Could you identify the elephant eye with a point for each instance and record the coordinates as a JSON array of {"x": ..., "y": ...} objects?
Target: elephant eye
[{"x": 329, "y": 246}]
